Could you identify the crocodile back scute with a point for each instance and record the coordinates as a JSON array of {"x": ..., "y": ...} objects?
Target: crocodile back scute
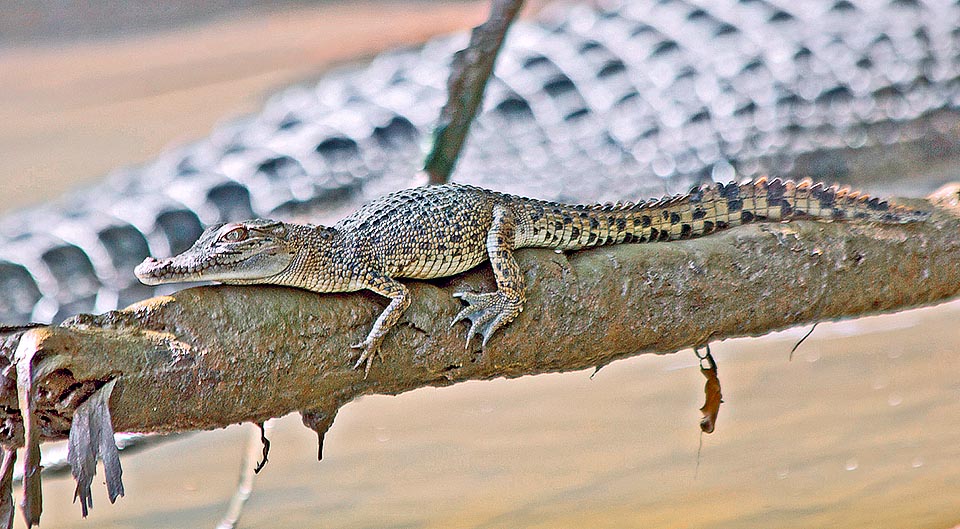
[{"x": 589, "y": 104}]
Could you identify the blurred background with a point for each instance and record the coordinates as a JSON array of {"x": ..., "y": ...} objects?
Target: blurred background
[
  {"x": 88, "y": 87},
  {"x": 860, "y": 429}
]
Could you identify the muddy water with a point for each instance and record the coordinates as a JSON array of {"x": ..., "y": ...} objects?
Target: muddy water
[{"x": 860, "y": 429}]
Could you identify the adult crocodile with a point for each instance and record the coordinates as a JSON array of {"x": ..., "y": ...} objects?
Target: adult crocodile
[{"x": 647, "y": 98}]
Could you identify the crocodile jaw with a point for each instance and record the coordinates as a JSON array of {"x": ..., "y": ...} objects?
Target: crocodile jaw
[
  {"x": 178, "y": 270},
  {"x": 174, "y": 270},
  {"x": 158, "y": 271}
]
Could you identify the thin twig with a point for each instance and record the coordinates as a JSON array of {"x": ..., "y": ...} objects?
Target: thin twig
[
  {"x": 248, "y": 473},
  {"x": 802, "y": 339}
]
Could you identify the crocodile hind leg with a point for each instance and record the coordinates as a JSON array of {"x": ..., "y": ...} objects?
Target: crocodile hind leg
[
  {"x": 399, "y": 301},
  {"x": 491, "y": 311}
]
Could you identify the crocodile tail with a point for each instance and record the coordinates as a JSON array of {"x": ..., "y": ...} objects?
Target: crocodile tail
[
  {"x": 816, "y": 200},
  {"x": 717, "y": 206},
  {"x": 702, "y": 211}
]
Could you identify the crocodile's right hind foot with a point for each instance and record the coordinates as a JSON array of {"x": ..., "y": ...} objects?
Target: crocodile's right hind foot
[{"x": 487, "y": 313}]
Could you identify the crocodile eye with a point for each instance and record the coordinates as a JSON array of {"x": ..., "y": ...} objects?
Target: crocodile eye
[{"x": 235, "y": 235}]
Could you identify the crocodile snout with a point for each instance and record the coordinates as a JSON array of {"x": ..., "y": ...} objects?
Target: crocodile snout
[{"x": 149, "y": 271}]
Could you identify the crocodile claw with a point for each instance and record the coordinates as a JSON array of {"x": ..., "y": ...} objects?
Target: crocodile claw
[
  {"x": 369, "y": 353},
  {"x": 486, "y": 313}
]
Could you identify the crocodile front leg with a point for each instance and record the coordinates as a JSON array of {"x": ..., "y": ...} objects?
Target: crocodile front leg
[
  {"x": 491, "y": 311},
  {"x": 399, "y": 301}
]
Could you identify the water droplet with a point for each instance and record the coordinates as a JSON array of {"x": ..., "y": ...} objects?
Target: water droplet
[
  {"x": 852, "y": 464},
  {"x": 917, "y": 462},
  {"x": 782, "y": 473},
  {"x": 812, "y": 356},
  {"x": 879, "y": 383},
  {"x": 894, "y": 399}
]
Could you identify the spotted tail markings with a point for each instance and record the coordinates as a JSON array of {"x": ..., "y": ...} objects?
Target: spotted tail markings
[{"x": 702, "y": 211}]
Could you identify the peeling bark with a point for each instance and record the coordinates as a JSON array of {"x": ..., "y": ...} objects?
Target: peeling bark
[
  {"x": 209, "y": 357},
  {"x": 91, "y": 437},
  {"x": 28, "y": 373}
]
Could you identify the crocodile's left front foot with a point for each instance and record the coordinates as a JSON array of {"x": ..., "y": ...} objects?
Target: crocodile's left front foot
[{"x": 487, "y": 313}]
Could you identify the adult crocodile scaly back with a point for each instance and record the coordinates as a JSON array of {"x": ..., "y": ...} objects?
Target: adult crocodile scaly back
[
  {"x": 646, "y": 97},
  {"x": 439, "y": 231}
]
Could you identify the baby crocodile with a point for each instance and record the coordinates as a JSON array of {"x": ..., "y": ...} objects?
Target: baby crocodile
[{"x": 443, "y": 230}]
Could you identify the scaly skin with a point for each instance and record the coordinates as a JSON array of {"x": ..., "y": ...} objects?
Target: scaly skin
[
  {"x": 438, "y": 231},
  {"x": 646, "y": 97}
]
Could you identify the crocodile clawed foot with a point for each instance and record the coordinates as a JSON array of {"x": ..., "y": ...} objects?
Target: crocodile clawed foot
[
  {"x": 486, "y": 313},
  {"x": 369, "y": 352}
]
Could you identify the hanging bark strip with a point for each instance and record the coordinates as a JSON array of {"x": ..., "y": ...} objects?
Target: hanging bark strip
[{"x": 713, "y": 398}]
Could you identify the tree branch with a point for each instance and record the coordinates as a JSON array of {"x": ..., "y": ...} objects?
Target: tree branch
[
  {"x": 469, "y": 73},
  {"x": 209, "y": 357}
]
